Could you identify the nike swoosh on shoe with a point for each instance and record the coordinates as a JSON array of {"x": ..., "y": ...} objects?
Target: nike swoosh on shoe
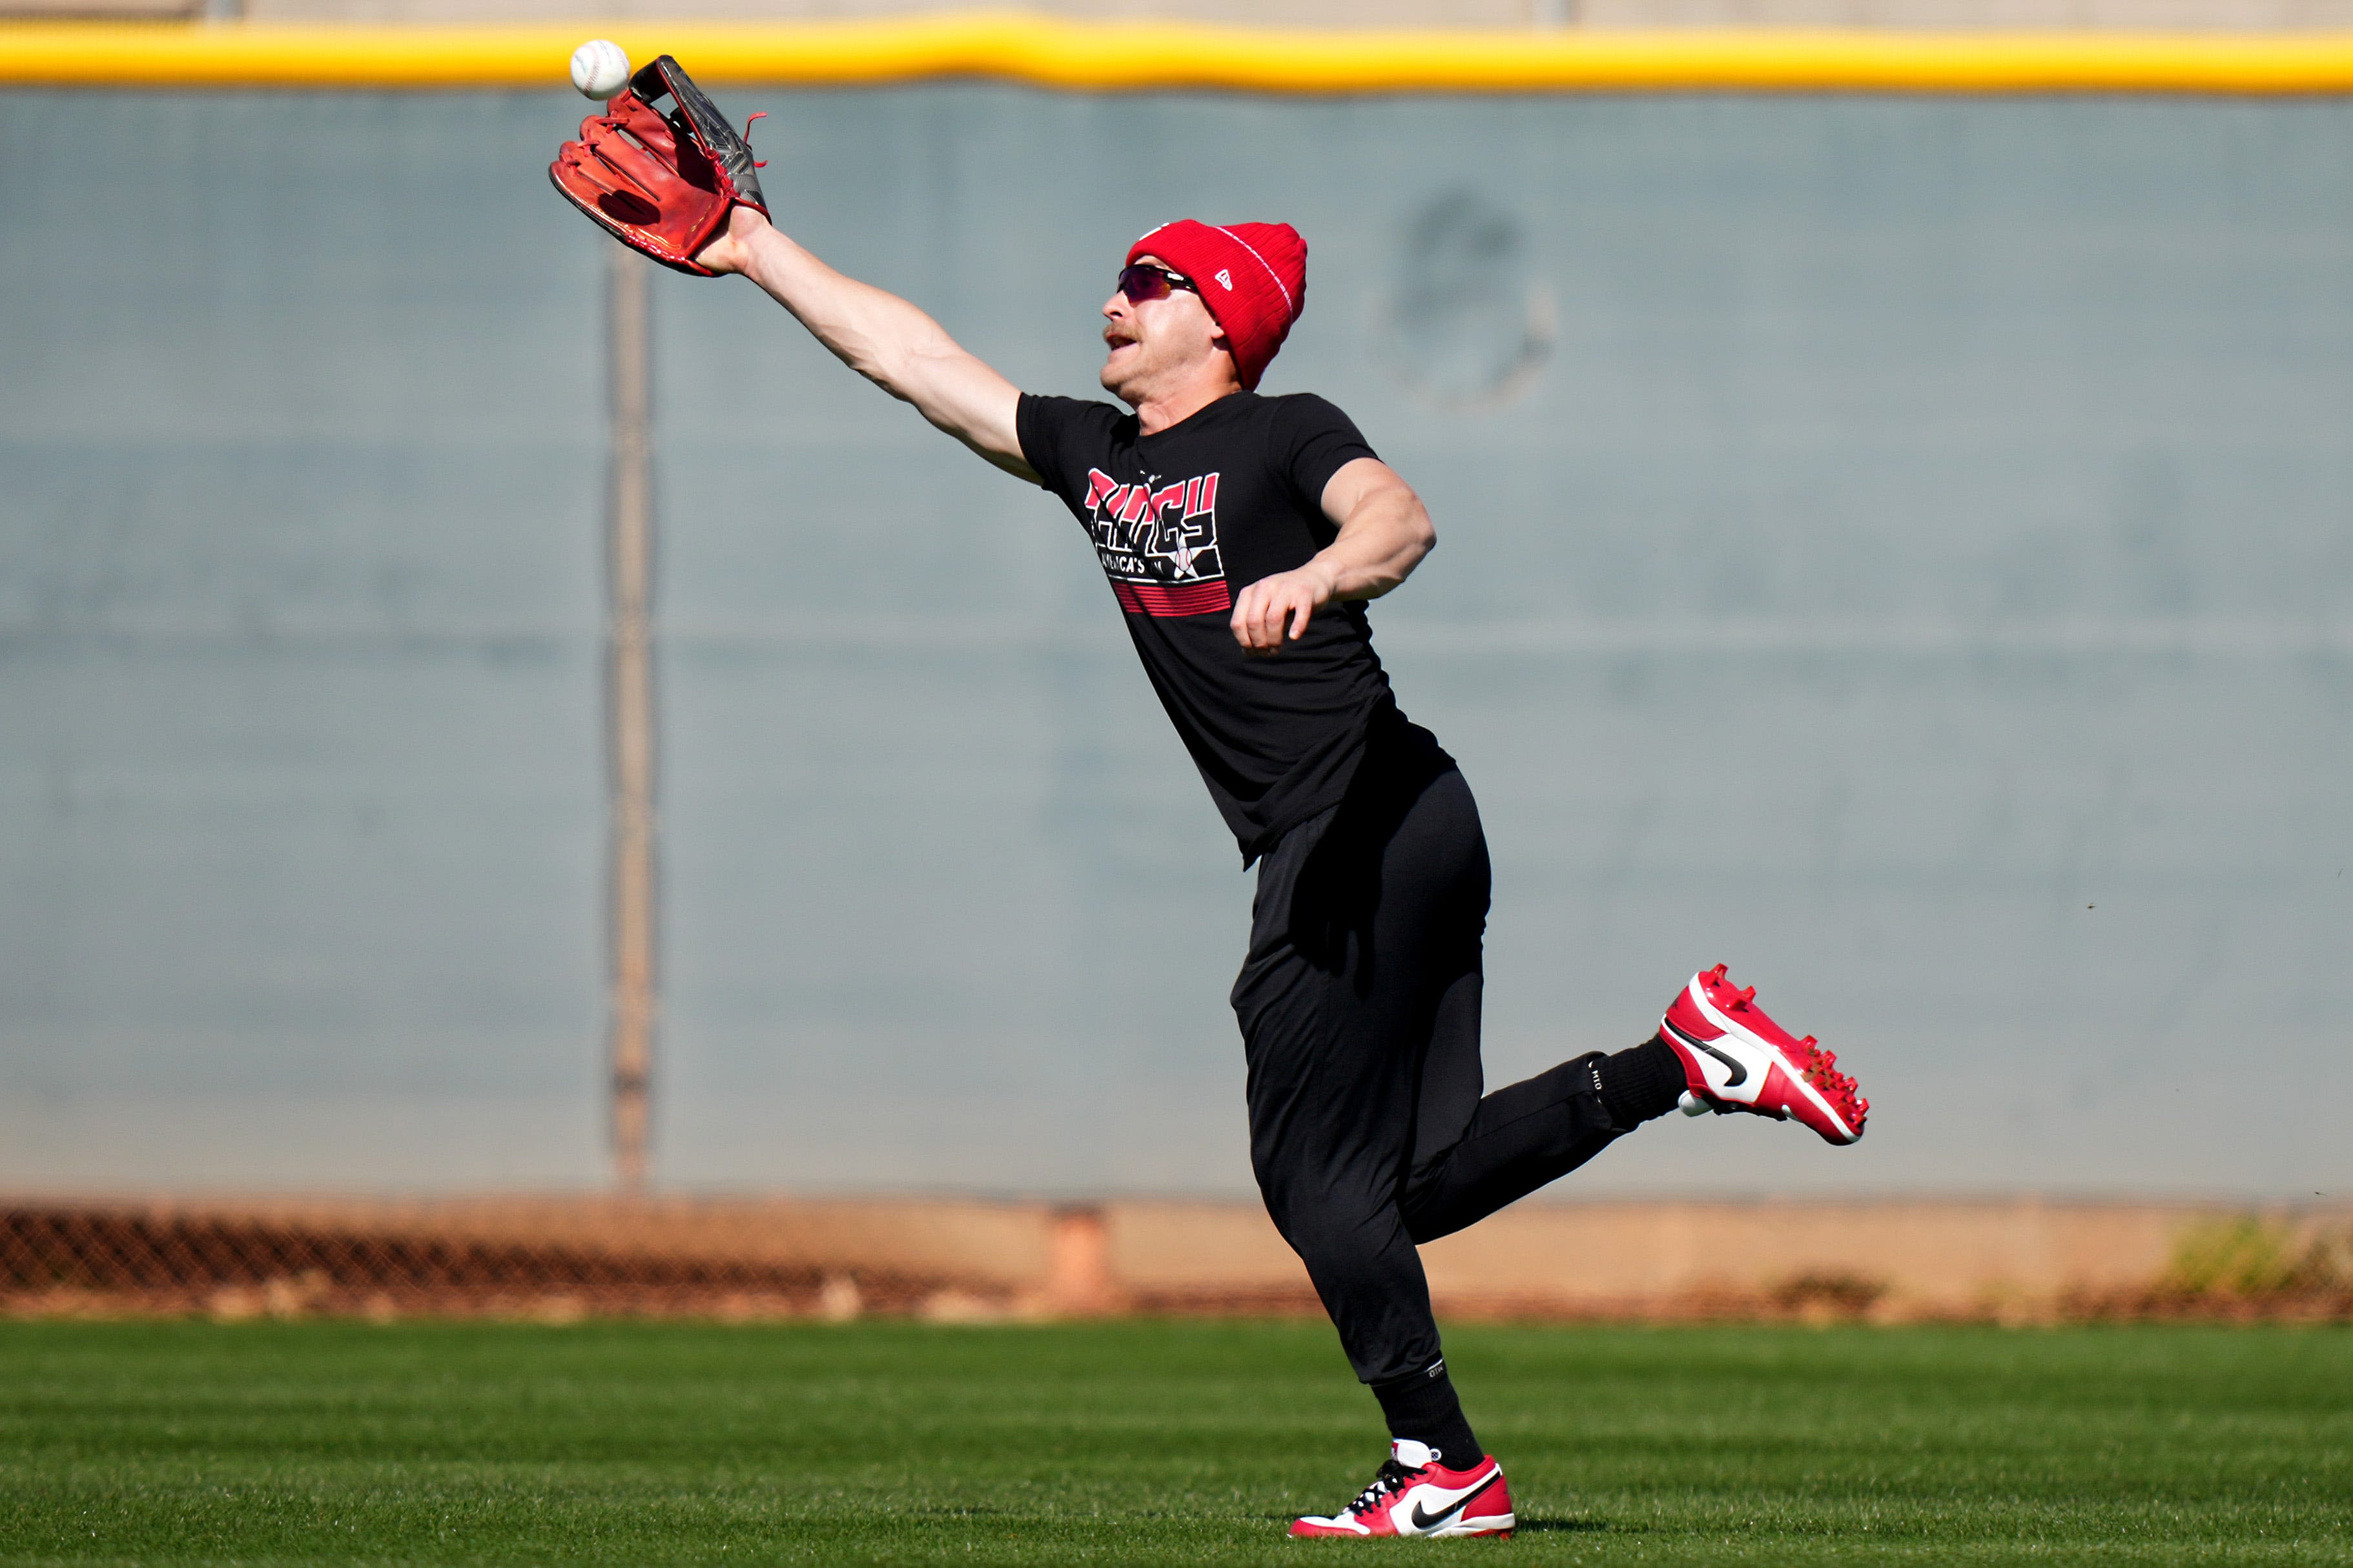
[
  {"x": 1739, "y": 1069},
  {"x": 1425, "y": 1520}
]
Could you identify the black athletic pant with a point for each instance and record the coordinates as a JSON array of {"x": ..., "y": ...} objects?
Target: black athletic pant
[{"x": 1359, "y": 1010}]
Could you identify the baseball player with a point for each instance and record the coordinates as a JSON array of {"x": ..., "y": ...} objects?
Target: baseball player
[{"x": 1242, "y": 536}]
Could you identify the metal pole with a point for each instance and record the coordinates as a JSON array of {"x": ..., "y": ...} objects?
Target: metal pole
[{"x": 629, "y": 711}]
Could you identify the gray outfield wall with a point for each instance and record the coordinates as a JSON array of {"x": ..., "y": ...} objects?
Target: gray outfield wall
[{"x": 1898, "y": 546}]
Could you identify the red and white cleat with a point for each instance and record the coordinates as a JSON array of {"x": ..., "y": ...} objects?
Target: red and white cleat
[
  {"x": 1415, "y": 1495},
  {"x": 1736, "y": 1058}
]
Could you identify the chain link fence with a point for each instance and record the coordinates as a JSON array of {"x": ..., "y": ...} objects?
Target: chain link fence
[
  {"x": 560, "y": 1258},
  {"x": 507, "y": 1259}
]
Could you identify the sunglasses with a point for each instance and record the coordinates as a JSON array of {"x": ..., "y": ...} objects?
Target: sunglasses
[{"x": 1144, "y": 281}]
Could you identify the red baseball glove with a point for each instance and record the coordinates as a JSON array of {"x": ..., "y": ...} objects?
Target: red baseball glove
[{"x": 661, "y": 184}]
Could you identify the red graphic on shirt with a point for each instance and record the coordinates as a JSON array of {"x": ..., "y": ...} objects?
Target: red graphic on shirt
[{"x": 1158, "y": 545}]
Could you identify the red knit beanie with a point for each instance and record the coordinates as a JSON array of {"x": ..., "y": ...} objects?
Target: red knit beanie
[{"x": 1252, "y": 276}]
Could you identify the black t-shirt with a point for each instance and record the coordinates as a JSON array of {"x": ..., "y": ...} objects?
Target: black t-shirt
[{"x": 1182, "y": 521}]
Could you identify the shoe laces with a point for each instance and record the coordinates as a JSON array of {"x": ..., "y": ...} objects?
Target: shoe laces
[{"x": 1386, "y": 1481}]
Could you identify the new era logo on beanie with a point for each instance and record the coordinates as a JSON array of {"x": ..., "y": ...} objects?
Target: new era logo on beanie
[{"x": 1261, "y": 271}]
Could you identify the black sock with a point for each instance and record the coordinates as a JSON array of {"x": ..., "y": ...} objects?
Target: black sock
[
  {"x": 1423, "y": 1406},
  {"x": 1640, "y": 1084}
]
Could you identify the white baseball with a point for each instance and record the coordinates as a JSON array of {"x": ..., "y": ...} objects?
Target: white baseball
[{"x": 599, "y": 68}]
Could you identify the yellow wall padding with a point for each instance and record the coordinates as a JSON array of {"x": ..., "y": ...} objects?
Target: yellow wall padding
[{"x": 1126, "y": 56}]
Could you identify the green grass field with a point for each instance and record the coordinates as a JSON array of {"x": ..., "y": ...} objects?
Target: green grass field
[{"x": 327, "y": 1442}]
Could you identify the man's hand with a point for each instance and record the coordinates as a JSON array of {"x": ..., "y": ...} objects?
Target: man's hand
[
  {"x": 1384, "y": 532},
  {"x": 732, "y": 251},
  {"x": 1276, "y": 609}
]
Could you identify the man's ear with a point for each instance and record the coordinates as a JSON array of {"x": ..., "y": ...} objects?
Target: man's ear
[{"x": 1217, "y": 339}]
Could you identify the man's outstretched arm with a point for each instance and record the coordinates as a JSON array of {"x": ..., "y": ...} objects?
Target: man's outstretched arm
[
  {"x": 1385, "y": 531},
  {"x": 879, "y": 335}
]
